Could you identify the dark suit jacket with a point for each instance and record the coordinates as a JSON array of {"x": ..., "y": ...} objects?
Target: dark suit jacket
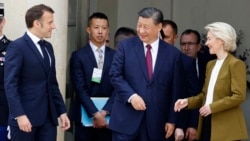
[
  {"x": 82, "y": 63},
  {"x": 30, "y": 90},
  {"x": 129, "y": 75},
  {"x": 4, "y": 114},
  {"x": 189, "y": 118}
]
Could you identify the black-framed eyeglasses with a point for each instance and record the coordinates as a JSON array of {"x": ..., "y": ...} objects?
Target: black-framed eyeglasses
[{"x": 188, "y": 43}]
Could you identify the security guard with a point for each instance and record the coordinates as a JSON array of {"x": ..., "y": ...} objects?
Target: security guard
[{"x": 4, "y": 110}]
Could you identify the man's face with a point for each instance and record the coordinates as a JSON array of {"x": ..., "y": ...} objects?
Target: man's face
[
  {"x": 45, "y": 25},
  {"x": 147, "y": 30},
  {"x": 189, "y": 45},
  {"x": 98, "y": 31},
  {"x": 170, "y": 36}
]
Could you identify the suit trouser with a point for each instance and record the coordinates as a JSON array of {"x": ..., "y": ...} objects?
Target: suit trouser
[
  {"x": 45, "y": 132},
  {"x": 91, "y": 134},
  {"x": 140, "y": 135},
  {"x": 3, "y": 133}
]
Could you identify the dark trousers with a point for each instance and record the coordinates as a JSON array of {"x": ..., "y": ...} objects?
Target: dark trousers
[
  {"x": 91, "y": 134},
  {"x": 140, "y": 135},
  {"x": 3, "y": 133},
  {"x": 206, "y": 129},
  {"x": 46, "y": 132}
]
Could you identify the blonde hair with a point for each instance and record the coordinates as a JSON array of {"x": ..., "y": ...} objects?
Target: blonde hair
[{"x": 225, "y": 32}]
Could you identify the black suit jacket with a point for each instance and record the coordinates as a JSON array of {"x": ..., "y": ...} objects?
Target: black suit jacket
[{"x": 4, "y": 114}]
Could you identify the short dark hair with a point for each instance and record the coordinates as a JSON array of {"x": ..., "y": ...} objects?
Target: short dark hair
[
  {"x": 125, "y": 31},
  {"x": 97, "y": 15},
  {"x": 35, "y": 13},
  {"x": 172, "y": 24},
  {"x": 196, "y": 33},
  {"x": 151, "y": 12}
]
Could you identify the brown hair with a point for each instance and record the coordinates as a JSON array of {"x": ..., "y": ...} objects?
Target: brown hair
[{"x": 35, "y": 13}]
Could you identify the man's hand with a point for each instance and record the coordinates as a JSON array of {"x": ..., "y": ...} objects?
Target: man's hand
[
  {"x": 138, "y": 103},
  {"x": 179, "y": 134},
  {"x": 191, "y": 134},
  {"x": 64, "y": 121},
  {"x": 24, "y": 123},
  {"x": 99, "y": 120},
  {"x": 169, "y": 129},
  {"x": 180, "y": 104}
]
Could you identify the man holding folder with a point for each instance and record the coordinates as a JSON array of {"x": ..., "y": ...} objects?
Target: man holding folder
[{"x": 89, "y": 68}]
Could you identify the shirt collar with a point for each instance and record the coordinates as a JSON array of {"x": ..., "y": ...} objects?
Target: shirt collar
[
  {"x": 154, "y": 44},
  {"x": 94, "y": 47},
  {"x": 33, "y": 37}
]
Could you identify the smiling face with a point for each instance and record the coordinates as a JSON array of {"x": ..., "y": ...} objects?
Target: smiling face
[
  {"x": 98, "y": 31},
  {"x": 214, "y": 44},
  {"x": 147, "y": 30}
]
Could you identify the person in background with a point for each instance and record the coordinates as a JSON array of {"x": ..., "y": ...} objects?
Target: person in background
[
  {"x": 221, "y": 117},
  {"x": 85, "y": 64},
  {"x": 4, "y": 114},
  {"x": 145, "y": 87},
  {"x": 31, "y": 87},
  {"x": 188, "y": 119},
  {"x": 190, "y": 44},
  {"x": 169, "y": 32},
  {"x": 123, "y": 33}
]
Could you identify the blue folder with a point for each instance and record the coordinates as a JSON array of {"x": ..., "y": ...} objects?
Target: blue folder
[{"x": 99, "y": 103}]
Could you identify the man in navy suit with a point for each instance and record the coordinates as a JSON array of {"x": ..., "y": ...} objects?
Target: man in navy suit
[
  {"x": 187, "y": 119},
  {"x": 34, "y": 99},
  {"x": 146, "y": 73},
  {"x": 85, "y": 64}
]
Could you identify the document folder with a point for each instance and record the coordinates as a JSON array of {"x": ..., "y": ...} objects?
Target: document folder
[{"x": 99, "y": 103}]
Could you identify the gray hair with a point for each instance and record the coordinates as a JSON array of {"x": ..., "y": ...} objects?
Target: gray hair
[
  {"x": 151, "y": 12},
  {"x": 225, "y": 32}
]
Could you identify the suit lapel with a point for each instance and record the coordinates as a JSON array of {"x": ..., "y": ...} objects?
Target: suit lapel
[
  {"x": 141, "y": 58},
  {"x": 107, "y": 59},
  {"x": 91, "y": 56},
  {"x": 160, "y": 58},
  {"x": 35, "y": 51}
]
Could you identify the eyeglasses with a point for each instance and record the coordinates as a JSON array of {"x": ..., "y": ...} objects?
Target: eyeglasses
[{"x": 188, "y": 43}]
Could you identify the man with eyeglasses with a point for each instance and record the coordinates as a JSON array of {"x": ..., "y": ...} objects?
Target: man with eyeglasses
[{"x": 190, "y": 44}]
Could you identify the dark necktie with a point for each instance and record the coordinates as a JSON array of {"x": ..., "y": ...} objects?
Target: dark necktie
[
  {"x": 149, "y": 62},
  {"x": 45, "y": 55}
]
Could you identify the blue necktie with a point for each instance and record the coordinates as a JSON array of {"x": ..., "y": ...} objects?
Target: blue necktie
[{"x": 45, "y": 55}]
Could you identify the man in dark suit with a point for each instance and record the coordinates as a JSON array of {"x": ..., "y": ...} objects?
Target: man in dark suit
[
  {"x": 84, "y": 65},
  {"x": 4, "y": 114},
  {"x": 187, "y": 119},
  {"x": 146, "y": 73},
  {"x": 190, "y": 44},
  {"x": 34, "y": 99}
]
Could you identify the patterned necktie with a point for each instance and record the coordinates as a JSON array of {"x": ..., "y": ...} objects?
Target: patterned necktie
[
  {"x": 45, "y": 55},
  {"x": 149, "y": 62},
  {"x": 100, "y": 58}
]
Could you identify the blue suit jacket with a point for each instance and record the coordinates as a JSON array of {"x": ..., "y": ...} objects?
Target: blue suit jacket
[
  {"x": 30, "y": 90},
  {"x": 82, "y": 63},
  {"x": 129, "y": 75}
]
